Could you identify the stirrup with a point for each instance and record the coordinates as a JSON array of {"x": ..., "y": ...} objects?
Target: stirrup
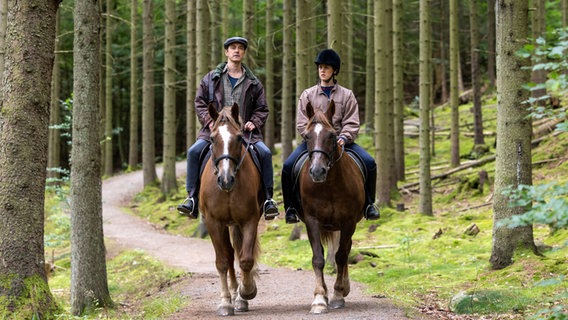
[
  {"x": 270, "y": 212},
  {"x": 187, "y": 208},
  {"x": 375, "y": 215},
  {"x": 292, "y": 216}
]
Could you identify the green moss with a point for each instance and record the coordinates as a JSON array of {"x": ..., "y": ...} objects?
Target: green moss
[{"x": 35, "y": 300}]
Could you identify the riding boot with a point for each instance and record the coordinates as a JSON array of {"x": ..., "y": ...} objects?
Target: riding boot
[
  {"x": 292, "y": 216},
  {"x": 371, "y": 211},
  {"x": 270, "y": 207},
  {"x": 190, "y": 206}
]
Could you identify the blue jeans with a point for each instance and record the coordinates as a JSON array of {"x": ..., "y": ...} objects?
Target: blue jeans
[{"x": 193, "y": 162}]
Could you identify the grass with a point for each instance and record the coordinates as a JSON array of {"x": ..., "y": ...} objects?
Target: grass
[{"x": 401, "y": 258}]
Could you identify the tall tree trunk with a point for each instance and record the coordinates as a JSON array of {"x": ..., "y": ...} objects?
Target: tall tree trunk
[
  {"x": 304, "y": 63},
  {"x": 3, "y": 24},
  {"x": 348, "y": 18},
  {"x": 217, "y": 51},
  {"x": 398, "y": 90},
  {"x": 514, "y": 128},
  {"x": 269, "y": 138},
  {"x": 383, "y": 97},
  {"x": 89, "y": 287},
  {"x": 148, "y": 133},
  {"x": 134, "y": 110},
  {"x": 538, "y": 24},
  {"x": 248, "y": 32},
  {"x": 54, "y": 149},
  {"x": 191, "y": 119},
  {"x": 369, "y": 106},
  {"x": 202, "y": 42},
  {"x": 478, "y": 138},
  {"x": 491, "y": 42},
  {"x": 288, "y": 101},
  {"x": 564, "y": 13},
  {"x": 24, "y": 119},
  {"x": 169, "y": 182},
  {"x": 454, "y": 86},
  {"x": 108, "y": 120},
  {"x": 334, "y": 26},
  {"x": 425, "y": 83}
]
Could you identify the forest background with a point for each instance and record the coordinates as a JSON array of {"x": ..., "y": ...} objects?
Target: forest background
[{"x": 152, "y": 54}]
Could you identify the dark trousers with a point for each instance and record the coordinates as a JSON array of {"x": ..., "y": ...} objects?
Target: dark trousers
[{"x": 288, "y": 166}]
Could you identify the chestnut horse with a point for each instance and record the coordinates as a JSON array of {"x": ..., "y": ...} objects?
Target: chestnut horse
[
  {"x": 333, "y": 199},
  {"x": 230, "y": 202}
]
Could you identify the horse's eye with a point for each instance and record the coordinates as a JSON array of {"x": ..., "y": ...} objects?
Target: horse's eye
[
  {"x": 239, "y": 138},
  {"x": 212, "y": 139}
]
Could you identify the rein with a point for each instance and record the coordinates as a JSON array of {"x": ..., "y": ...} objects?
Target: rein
[
  {"x": 238, "y": 163},
  {"x": 331, "y": 162}
]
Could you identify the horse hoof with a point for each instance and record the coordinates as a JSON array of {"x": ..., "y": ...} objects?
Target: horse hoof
[
  {"x": 241, "y": 305},
  {"x": 318, "y": 309},
  {"x": 225, "y": 311},
  {"x": 337, "y": 304}
]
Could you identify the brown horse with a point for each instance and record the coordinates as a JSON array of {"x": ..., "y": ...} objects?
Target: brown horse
[
  {"x": 231, "y": 201},
  {"x": 333, "y": 199}
]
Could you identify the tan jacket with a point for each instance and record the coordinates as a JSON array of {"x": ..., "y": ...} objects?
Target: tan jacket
[{"x": 346, "y": 117}]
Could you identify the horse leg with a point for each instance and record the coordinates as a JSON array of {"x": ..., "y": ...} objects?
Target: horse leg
[
  {"x": 224, "y": 258},
  {"x": 248, "y": 253},
  {"x": 341, "y": 287},
  {"x": 319, "y": 304}
]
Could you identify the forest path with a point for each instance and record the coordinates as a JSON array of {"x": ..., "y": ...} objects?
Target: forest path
[{"x": 282, "y": 293}]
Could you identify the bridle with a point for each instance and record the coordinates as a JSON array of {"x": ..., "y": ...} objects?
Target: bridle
[
  {"x": 329, "y": 155},
  {"x": 238, "y": 162}
]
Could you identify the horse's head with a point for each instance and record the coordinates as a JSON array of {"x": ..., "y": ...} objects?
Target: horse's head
[
  {"x": 226, "y": 144},
  {"x": 321, "y": 140}
]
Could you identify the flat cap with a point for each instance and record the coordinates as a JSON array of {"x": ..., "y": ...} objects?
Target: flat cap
[{"x": 232, "y": 40}]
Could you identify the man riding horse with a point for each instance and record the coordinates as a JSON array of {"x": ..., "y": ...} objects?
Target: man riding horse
[{"x": 231, "y": 82}]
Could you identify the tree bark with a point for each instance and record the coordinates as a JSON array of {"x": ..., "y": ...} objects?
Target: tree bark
[
  {"x": 24, "y": 119},
  {"x": 191, "y": 118},
  {"x": 148, "y": 134},
  {"x": 398, "y": 90},
  {"x": 108, "y": 118},
  {"x": 288, "y": 101},
  {"x": 89, "y": 287},
  {"x": 169, "y": 182},
  {"x": 454, "y": 87},
  {"x": 369, "y": 106},
  {"x": 270, "y": 138},
  {"x": 54, "y": 149},
  {"x": 513, "y": 164},
  {"x": 425, "y": 83},
  {"x": 134, "y": 110},
  {"x": 491, "y": 42},
  {"x": 478, "y": 138}
]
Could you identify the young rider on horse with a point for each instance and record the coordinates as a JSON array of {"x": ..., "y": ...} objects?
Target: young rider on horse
[
  {"x": 345, "y": 121},
  {"x": 231, "y": 82}
]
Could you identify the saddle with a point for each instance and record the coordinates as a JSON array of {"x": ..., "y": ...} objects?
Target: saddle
[
  {"x": 301, "y": 162},
  {"x": 206, "y": 154}
]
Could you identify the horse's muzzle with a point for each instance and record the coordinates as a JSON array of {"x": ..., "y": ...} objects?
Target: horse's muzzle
[{"x": 226, "y": 182}]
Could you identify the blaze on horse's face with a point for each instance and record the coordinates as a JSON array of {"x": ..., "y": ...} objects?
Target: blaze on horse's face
[
  {"x": 226, "y": 144},
  {"x": 321, "y": 141}
]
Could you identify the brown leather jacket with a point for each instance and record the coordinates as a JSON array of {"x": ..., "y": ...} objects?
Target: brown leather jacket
[
  {"x": 252, "y": 106},
  {"x": 346, "y": 117}
]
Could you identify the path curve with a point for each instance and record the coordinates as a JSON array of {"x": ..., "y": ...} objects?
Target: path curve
[{"x": 283, "y": 294}]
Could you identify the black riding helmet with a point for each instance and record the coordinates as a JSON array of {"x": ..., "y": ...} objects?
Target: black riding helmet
[
  {"x": 329, "y": 57},
  {"x": 231, "y": 40}
]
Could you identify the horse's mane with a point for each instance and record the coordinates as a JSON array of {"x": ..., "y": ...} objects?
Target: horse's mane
[
  {"x": 225, "y": 116},
  {"x": 319, "y": 117}
]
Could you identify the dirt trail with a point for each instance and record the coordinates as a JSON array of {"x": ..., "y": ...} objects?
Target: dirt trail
[{"x": 282, "y": 293}]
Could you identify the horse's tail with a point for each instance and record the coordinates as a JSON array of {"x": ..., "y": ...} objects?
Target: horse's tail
[
  {"x": 237, "y": 237},
  {"x": 330, "y": 239}
]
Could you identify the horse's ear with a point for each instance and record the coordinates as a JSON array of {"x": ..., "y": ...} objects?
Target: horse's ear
[
  {"x": 330, "y": 110},
  {"x": 309, "y": 110},
  {"x": 235, "y": 112},
  {"x": 212, "y": 111}
]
